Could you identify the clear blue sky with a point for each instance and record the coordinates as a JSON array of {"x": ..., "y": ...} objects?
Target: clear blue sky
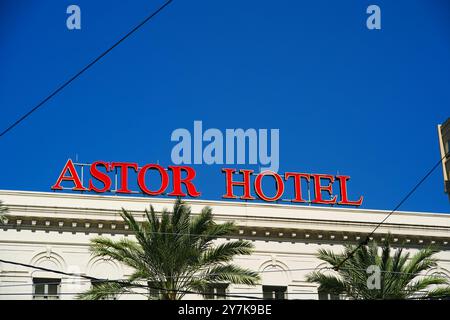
[{"x": 364, "y": 103}]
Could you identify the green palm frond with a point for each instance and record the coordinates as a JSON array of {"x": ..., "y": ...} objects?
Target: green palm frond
[
  {"x": 420, "y": 285},
  {"x": 400, "y": 276},
  {"x": 103, "y": 290},
  {"x": 439, "y": 293},
  {"x": 197, "y": 285},
  {"x": 421, "y": 261},
  {"x": 327, "y": 283},
  {"x": 202, "y": 222},
  {"x": 329, "y": 256},
  {"x": 124, "y": 250},
  {"x": 225, "y": 252},
  {"x": 231, "y": 273},
  {"x": 176, "y": 251}
]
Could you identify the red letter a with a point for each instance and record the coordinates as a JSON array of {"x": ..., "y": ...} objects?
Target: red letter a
[{"x": 73, "y": 177}]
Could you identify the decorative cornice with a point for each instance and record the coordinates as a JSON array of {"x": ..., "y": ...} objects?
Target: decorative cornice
[
  {"x": 293, "y": 235},
  {"x": 99, "y": 214}
]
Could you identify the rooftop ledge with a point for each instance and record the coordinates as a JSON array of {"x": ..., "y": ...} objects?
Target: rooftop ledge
[
  {"x": 94, "y": 208},
  {"x": 203, "y": 202}
]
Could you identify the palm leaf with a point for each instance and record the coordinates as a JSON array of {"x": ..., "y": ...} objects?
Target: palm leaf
[
  {"x": 103, "y": 290},
  {"x": 174, "y": 252},
  {"x": 232, "y": 274},
  {"x": 399, "y": 276}
]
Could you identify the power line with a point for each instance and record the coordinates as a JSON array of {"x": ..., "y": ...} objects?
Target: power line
[
  {"x": 90, "y": 278},
  {"x": 50, "y": 270},
  {"x": 76, "y": 282},
  {"x": 397, "y": 272},
  {"x": 367, "y": 239},
  {"x": 194, "y": 276},
  {"x": 65, "y": 84},
  {"x": 287, "y": 296},
  {"x": 233, "y": 295},
  {"x": 124, "y": 283},
  {"x": 335, "y": 268},
  {"x": 136, "y": 285}
]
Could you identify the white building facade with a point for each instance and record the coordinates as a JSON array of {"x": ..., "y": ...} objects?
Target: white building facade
[{"x": 53, "y": 230}]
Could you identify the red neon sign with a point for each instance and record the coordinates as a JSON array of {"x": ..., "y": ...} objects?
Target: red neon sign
[
  {"x": 69, "y": 173},
  {"x": 183, "y": 176}
]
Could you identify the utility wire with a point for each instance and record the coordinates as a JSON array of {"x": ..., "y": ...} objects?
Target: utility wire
[
  {"x": 367, "y": 239},
  {"x": 106, "y": 280},
  {"x": 65, "y": 84},
  {"x": 129, "y": 284},
  {"x": 234, "y": 295},
  {"x": 75, "y": 282},
  {"x": 396, "y": 272},
  {"x": 125, "y": 284},
  {"x": 94, "y": 279}
]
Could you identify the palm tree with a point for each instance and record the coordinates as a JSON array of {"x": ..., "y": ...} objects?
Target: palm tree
[
  {"x": 3, "y": 211},
  {"x": 174, "y": 254},
  {"x": 399, "y": 273}
]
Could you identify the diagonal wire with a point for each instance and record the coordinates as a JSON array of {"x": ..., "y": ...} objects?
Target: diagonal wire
[
  {"x": 65, "y": 84},
  {"x": 125, "y": 284},
  {"x": 406, "y": 197},
  {"x": 136, "y": 285}
]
